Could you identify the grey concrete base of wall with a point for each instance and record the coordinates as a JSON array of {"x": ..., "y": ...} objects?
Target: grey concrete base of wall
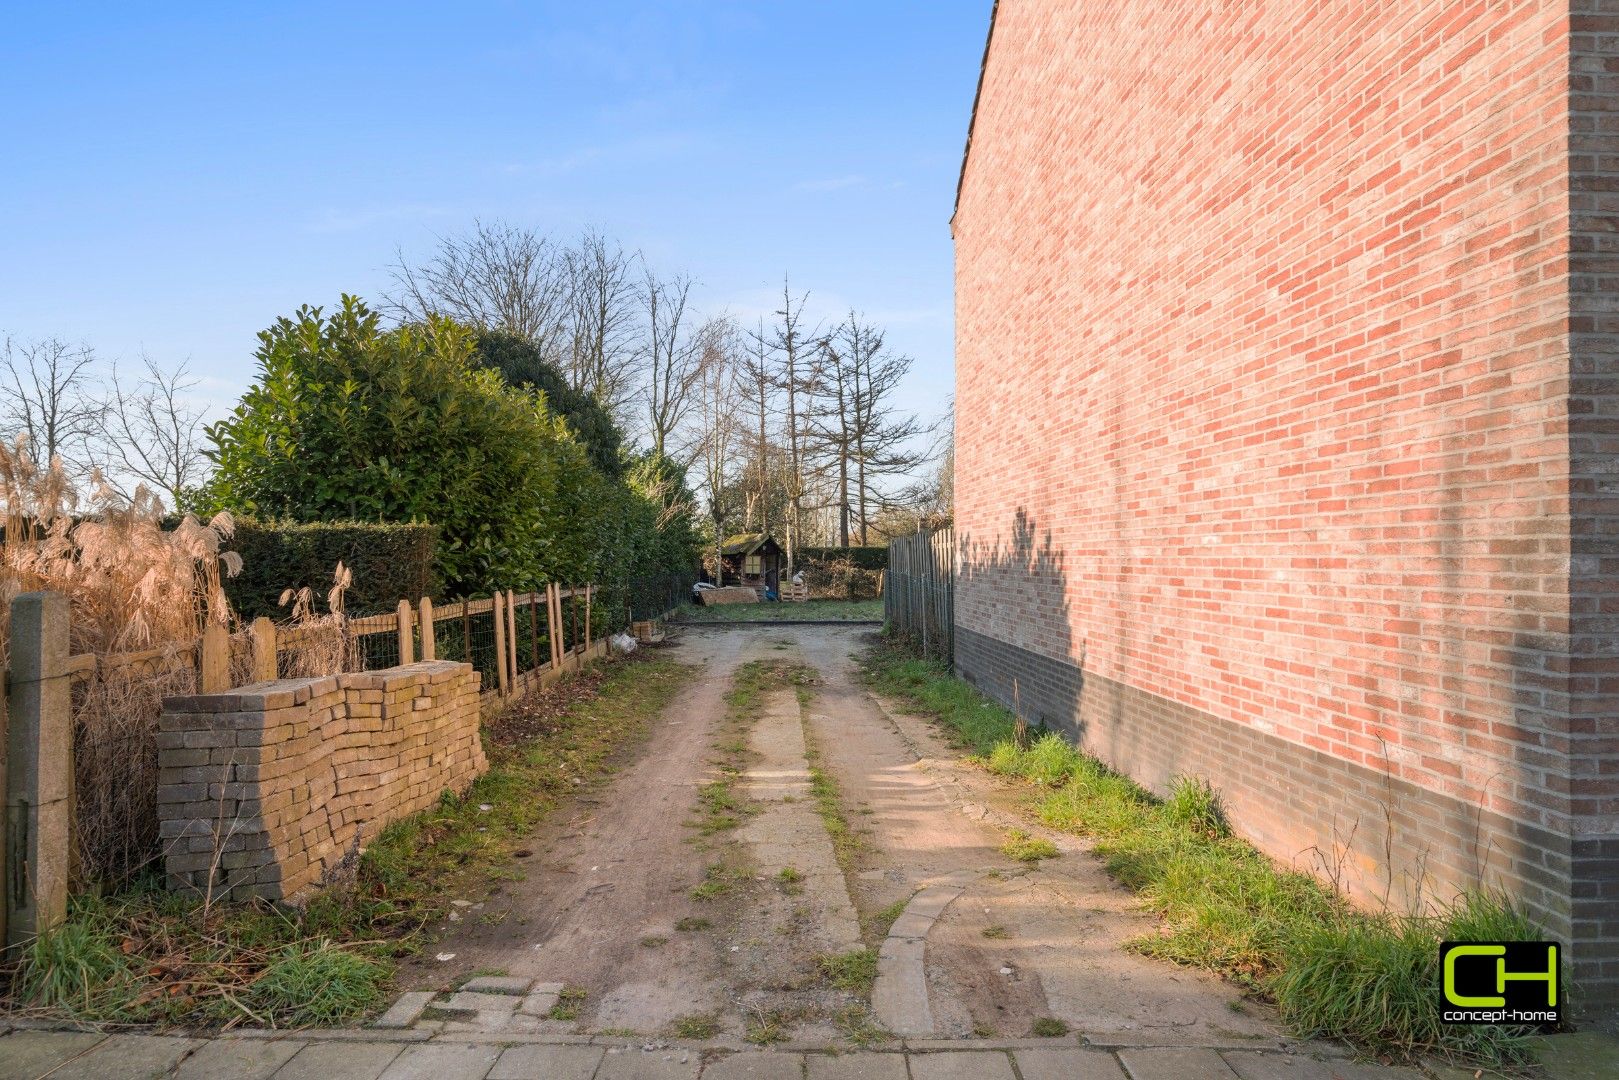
[{"x": 1383, "y": 839}]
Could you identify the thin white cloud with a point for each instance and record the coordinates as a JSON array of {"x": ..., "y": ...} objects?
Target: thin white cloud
[
  {"x": 638, "y": 151},
  {"x": 334, "y": 220},
  {"x": 831, "y": 183}
]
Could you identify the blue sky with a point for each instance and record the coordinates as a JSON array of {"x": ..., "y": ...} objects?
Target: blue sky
[{"x": 177, "y": 175}]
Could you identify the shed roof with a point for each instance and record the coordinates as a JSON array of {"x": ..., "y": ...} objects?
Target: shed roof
[{"x": 744, "y": 543}]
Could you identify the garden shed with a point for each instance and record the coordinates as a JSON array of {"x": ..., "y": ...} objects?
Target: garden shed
[{"x": 752, "y": 559}]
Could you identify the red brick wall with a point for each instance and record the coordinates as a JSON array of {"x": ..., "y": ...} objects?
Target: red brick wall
[{"x": 1263, "y": 324}]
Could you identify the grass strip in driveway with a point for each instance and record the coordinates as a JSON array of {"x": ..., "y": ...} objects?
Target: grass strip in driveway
[
  {"x": 1332, "y": 969},
  {"x": 143, "y": 955}
]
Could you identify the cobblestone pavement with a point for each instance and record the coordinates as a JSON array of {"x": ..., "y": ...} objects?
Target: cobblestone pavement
[{"x": 37, "y": 1054}]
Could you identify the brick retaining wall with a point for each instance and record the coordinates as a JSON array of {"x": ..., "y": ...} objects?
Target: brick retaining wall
[{"x": 284, "y": 780}]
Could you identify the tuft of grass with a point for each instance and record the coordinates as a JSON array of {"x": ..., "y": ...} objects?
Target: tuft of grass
[
  {"x": 860, "y": 1027},
  {"x": 718, "y": 880},
  {"x": 854, "y": 971},
  {"x": 766, "y": 1026},
  {"x": 1029, "y": 849},
  {"x": 654, "y": 941},
  {"x": 996, "y": 932},
  {"x": 1048, "y": 1027},
  {"x": 882, "y": 920},
  {"x": 789, "y": 875},
  {"x": 1194, "y": 806},
  {"x": 696, "y": 1026},
  {"x": 569, "y": 1003},
  {"x": 692, "y": 923},
  {"x": 1332, "y": 969},
  {"x": 318, "y": 983}
]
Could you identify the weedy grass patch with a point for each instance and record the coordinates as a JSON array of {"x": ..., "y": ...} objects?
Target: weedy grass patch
[
  {"x": 1333, "y": 970},
  {"x": 144, "y": 955}
]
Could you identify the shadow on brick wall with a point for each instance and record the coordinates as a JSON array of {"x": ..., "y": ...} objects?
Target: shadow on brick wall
[{"x": 1020, "y": 585}]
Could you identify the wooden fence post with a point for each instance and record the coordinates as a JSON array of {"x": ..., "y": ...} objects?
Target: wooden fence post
[
  {"x": 588, "y": 590},
  {"x": 39, "y": 768},
  {"x": 534, "y": 628},
  {"x": 407, "y": 636},
  {"x": 553, "y": 625},
  {"x": 213, "y": 668},
  {"x": 511, "y": 634},
  {"x": 429, "y": 646},
  {"x": 264, "y": 659},
  {"x": 500, "y": 644}
]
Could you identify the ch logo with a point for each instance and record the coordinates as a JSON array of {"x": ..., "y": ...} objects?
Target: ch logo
[{"x": 1500, "y": 975}]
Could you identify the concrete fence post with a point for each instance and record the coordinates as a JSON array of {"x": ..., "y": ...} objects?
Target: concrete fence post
[{"x": 38, "y": 768}]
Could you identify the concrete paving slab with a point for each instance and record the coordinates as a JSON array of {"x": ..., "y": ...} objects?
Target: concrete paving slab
[
  {"x": 962, "y": 1065},
  {"x": 1174, "y": 1063},
  {"x": 1252, "y": 1065},
  {"x": 856, "y": 1067},
  {"x": 541, "y": 1062},
  {"x": 641, "y": 1065},
  {"x": 467, "y": 1001},
  {"x": 899, "y": 997},
  {"x": 756, "y": 1065},
  {"x": 25, "y": 1055},
  {"x": 1068, "y": 1063},
  {"x": 498, "y": 984},
  {"x": 340, "y": 1061},
  {"x": 436, "y": 1061},
  {"x": 128, "y": 1057},
  {"x": 238, "y": 1059},
  {"x": 406, "y": 1011}
]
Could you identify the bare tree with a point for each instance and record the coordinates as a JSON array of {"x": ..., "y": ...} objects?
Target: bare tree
[
  {"x": 602, "y": 313},
  {"x": 883, "y": 443},
  {"x": 152, "y": 434},
  {"x": 497, "y": 277},
  {"x": 673, "y": 356},
  {"x": 716, "y": 395},
  {"x": 48, "y": 394},
  {"x": 831, "y": 415},
  {"x": 791, "y": 348},
  {"x": 756, "y": 389}
]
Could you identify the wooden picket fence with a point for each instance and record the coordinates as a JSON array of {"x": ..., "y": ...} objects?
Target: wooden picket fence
[{"x": 919, "y": 591}]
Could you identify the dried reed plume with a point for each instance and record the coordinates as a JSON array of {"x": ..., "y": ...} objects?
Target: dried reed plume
[{"x": 131, "y": 586}]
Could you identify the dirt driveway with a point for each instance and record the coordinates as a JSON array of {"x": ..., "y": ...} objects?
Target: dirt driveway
[{"x": 855, "y": 828}]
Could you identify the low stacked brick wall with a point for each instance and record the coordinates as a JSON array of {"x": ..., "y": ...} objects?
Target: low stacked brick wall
[{"x": 267, "y": 789}]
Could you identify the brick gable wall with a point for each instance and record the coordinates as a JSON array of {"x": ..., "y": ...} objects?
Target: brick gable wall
[{"x": 1275, "y": 382}]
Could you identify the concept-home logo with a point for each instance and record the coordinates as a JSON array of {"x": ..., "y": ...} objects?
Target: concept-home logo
[{"x": 1500, "y": 982}]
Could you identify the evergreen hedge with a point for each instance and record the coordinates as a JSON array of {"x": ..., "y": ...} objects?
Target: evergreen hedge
[
  {"x": 390, "y": 563},
  {"x": 870, "y": 557}
]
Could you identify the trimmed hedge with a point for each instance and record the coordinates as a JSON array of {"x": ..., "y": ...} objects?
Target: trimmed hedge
[
  {"x": 390, "y": 563},
  {"x": 871, "y": 557}
]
